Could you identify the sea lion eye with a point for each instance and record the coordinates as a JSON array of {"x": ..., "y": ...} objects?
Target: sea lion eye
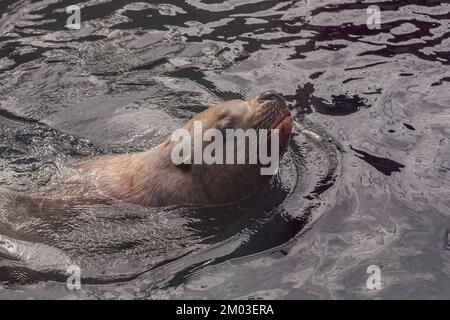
[
  {"x": 184, "y": 167},
  {"x": 228, "y": 123}
]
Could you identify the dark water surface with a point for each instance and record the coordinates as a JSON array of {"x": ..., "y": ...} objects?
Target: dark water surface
[{"x": 365, "y": 180}]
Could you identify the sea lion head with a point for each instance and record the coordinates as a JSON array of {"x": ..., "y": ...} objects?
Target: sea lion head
[
  {"x": 267, "y": 111},
  {"x": 226, "y": 182}
]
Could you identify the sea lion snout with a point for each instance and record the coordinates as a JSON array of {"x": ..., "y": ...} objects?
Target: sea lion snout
[
  {"x": 271, "y": 109},
  {"x": 271, "y": 95},
  {"x": 280, "y": 115},
  {"x": 274, "y": 102}
]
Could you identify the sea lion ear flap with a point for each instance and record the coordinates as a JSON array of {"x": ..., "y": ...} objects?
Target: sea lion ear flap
[{"x": 185, "y": 164}]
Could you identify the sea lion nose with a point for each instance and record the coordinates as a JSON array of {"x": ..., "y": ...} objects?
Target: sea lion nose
[{"x": 270, "y": 96}]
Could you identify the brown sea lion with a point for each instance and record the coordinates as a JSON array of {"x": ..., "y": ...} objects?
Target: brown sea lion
[{"x": 152, "y": 178}]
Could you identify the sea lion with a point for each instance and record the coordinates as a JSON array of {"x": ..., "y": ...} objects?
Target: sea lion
[{"x": 151, "y": 178}]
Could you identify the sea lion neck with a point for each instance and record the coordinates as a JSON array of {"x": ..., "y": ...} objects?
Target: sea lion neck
[{"x": 131, "y": 177}]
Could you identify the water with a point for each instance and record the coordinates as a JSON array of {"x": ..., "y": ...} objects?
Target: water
[{"x": 365, "y": 180}]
